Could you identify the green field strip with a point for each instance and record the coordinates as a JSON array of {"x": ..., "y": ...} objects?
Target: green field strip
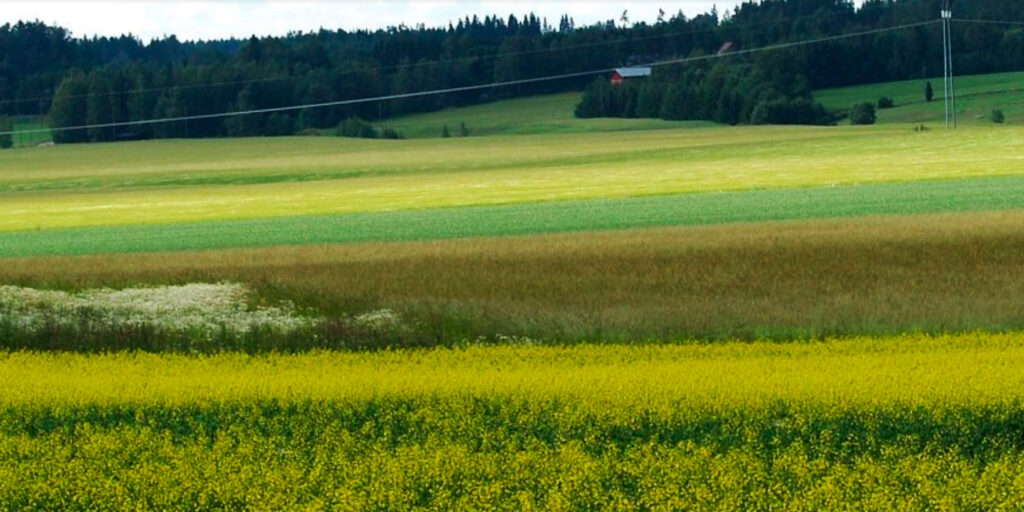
[
  {"x": 708, "y": 149},
  {"x": 249, "y": 161},
  {"x": 535, "y": 218}
]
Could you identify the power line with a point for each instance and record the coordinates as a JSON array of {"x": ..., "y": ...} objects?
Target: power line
[
  {"x": 397, "y": 67},
  {"x": 779, "y": 46},
  {"x": 989, "y": 22}
]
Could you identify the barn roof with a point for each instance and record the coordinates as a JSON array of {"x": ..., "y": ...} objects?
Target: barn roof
[{"x": 633, "y": 72}]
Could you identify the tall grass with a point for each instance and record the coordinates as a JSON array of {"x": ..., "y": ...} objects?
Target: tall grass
[{"x": 930, "y": 273}]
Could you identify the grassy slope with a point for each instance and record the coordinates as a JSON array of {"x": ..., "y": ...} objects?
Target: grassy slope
[
  {"x": 935, "y": 272},
  {"x": 977, "y": 96},
  {"x": 170, "y": 181},
  {"x": 526, "y": 116},
  {"x": 518, "y": 219},
  {"x": 909, "y": 423}
]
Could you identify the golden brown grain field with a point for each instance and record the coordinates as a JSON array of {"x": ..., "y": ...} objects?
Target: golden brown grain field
[{"x": 870, "y": 275}]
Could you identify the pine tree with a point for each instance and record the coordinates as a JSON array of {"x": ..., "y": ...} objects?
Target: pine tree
[
  {"x": 6, "y": 125},
  {"x": 99, "y": 108},
  {"x": 68, "y": 108}
]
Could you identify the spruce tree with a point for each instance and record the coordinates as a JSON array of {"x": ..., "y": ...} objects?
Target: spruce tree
[{"x": 6, "y": 125}]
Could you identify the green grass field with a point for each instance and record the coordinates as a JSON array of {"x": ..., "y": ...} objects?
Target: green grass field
[
  {"x": 526, "y": 116},
  {"x": 977, "y": 194},
  {"x": 181, "y": 181},
  {"x": 977, "y": 96},
  {"x": 908, "y": 423}
]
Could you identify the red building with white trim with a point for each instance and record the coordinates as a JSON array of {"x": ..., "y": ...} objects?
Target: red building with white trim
[{"x": 622, "y": 74}]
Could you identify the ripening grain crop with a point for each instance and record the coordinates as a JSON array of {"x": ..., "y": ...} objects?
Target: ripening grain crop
[{"x": 934, "y": 273}]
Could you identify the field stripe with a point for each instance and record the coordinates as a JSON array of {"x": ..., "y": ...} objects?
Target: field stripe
[{"x": 979, "y": 194}]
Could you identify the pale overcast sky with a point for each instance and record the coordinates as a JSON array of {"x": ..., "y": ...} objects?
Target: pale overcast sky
[{"x": 242, "y": 18}]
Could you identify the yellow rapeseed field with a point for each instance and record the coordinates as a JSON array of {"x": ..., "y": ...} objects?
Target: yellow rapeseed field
[
  {"x": 899, "y": 423},
  {"x": 951, "y": 370}
]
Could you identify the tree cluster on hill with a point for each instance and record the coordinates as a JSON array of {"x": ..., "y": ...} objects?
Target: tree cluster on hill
[
  {"x": 863, "y": 113},
  {"x": 112, "y": 80},
  {"x": 767, "y": 89},
  {"x": 354, "y": 127}
]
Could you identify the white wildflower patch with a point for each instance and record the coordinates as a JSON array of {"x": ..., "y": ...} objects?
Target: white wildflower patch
[
  {"x": 191, "y": 307},
  {"x": 380, "y": 320}
]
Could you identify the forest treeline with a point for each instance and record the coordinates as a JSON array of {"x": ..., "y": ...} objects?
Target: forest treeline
[{"x": 76, "y": 81}]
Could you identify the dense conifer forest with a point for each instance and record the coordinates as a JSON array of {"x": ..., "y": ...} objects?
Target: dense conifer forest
[{"x": 45, "y": 70}]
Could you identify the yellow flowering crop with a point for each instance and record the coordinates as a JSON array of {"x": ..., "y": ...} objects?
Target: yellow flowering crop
[{"x": 899, "y": 423}]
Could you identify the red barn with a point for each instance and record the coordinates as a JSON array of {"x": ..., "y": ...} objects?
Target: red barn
[{"x": 622, "y": 74}]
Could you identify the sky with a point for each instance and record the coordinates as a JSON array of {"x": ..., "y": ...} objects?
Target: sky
[{"x": 191, "y": 19}]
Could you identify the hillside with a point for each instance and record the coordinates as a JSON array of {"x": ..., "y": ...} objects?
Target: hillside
[
  {"x": 977, "y": 96},
  {"x": 534, "y": 115}
]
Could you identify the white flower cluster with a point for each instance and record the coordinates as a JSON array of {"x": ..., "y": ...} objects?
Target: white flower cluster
[
  {"x": 198, "y": 306},
  {"x": 379, "y": 320}
]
